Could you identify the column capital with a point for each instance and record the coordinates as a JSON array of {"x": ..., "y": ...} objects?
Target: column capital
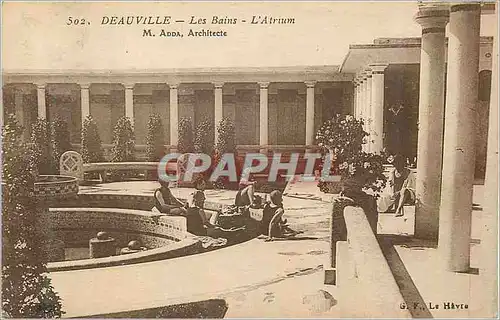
[
  {"x": 310, "y": 84},
  {"x": 128, "y": 85},
  {"x": 218, "y": 85},
  {"x": 473, "y": 6},
  {"x": 40, "y": 85},
  {"x": 17, "y": 90},
  {"x": 173, "y": 85},
  {"x": 378, "y": 68},
  {"x": 367, "y": 74},
  {"x": 84, "y": 85},
  {"x": 264, "y": 85},
  {"x": 433, "y": 17}
]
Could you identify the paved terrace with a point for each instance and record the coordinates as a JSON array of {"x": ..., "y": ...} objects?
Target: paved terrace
[{"x": 256, "y": 278}]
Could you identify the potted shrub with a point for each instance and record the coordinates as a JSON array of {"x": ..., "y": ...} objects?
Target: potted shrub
[
  {"x": 60, "y": 139},
  {"x": 342, "y": 138},
  {"x": 123, "y": 145},
  {"x": 91, "y": 148},
  {"x": 155, "y": 140},
  {"x": 41, "y": 148},
  {"x": 225, "y": 145},
  {"x": 204, "y": 137},
  {"x": 123, "y": 141},
  {"x": 185, "y": 143}
]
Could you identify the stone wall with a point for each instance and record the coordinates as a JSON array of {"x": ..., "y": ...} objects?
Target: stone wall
[{"x": 117, "y": 220}]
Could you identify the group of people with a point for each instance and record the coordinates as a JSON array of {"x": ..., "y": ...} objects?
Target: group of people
[
  {"x": 198, "y": 221},
  {"x": 273, "y": 225}
]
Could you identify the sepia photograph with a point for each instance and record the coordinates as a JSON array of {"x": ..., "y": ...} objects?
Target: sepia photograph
[{"x": 249, "y": 159}]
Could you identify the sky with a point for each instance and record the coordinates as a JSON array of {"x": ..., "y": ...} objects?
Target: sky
[{"x": 36, "y": 36}]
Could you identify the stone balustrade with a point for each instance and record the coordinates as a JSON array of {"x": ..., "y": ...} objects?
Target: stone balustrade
[{"x": 366, "y": 285}]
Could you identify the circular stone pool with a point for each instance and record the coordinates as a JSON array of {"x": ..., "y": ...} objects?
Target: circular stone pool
[{"x": 71, "y": 229}]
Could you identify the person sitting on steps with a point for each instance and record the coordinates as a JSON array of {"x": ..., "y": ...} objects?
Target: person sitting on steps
[
  {"x": 273, "y": 225},
  {"x": 165, "y": 201},
  {"x": 402, "y": 180},
  {"x": 197, "y": 202},
  {"x": 246, "y": 193}
]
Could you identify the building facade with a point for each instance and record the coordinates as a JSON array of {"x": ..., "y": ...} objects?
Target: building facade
[{"x": 272, "y": 108}]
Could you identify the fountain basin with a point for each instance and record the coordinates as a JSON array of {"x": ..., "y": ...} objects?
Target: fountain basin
[
  {"x": 50, "y": 188},
  {"x": 165, "y": 236}
]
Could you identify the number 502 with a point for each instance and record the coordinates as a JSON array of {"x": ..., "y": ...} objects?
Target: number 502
[{"x": 74, "y": 21}]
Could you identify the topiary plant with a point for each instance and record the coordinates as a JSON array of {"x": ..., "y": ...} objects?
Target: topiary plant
[
  {"x": 26, "y": 290},
  {"x": 60, "y": 139},
  {"x": 155, "y": 141},
  {"x": 185, "y": 143},
  {"x": 41, "y": 148},
  {"x": 226, "y": 137},
  {"x": 342, "y": 138},
  {"x": 204, "y": 137},
  {"x": 123, "y": 141},
  {"x": 91, "y": 142},
  {"x": 225, "y": 144}
]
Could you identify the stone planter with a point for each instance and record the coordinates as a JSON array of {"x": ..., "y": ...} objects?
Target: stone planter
[{"x": 54, "y": 188}]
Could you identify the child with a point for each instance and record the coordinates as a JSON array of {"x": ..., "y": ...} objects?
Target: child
[
  {"x": 197, "y": 202},
  {"x": 273, "y": 225},
  {"x": 245, "y": 195}
]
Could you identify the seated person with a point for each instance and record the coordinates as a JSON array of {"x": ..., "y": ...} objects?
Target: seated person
[
  {"x": 246, "y": 191},
  {"x": 402, "y": 181},
  {"x": 273, "y": 225},
  {"x": 197, "y": 201},
  {"x": 165, "y": 201}
]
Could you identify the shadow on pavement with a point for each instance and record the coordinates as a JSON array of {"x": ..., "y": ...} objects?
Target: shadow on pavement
[{"x": 212, "y": 309}]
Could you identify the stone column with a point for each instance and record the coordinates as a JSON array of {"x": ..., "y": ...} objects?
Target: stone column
[
  {"x": 129, "y": 102},
  {"x": 488, "y": 264},
  {"x": 19, "y": 106},
  {"x": 42, "y": 108},
  {"x": 264, "y": 117},
  {"x": 174, "y": 114},
  {"x": 368, "y": 110},
  {"x": 358, "y": 97},
  {"x": 310, "y": 112},
  {"x": 458, "y": 159},
  {"x": 362, "y": 99},
  {"x": 356, "y": 100},
  {"x": 362, "y": 104},
  {"x": 377, "y": 106},
  {"x": 218, "y": 107},
  {"x": 85, "y": 100},
  {"x": 431, "y": 116}
]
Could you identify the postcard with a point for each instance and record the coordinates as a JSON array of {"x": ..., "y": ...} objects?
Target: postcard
[{"x": 274, "y": 159}]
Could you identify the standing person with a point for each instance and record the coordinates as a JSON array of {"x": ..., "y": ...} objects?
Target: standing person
[
  {"x": 165, "y": 201},
  {"x": 398, "y": 127}
]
